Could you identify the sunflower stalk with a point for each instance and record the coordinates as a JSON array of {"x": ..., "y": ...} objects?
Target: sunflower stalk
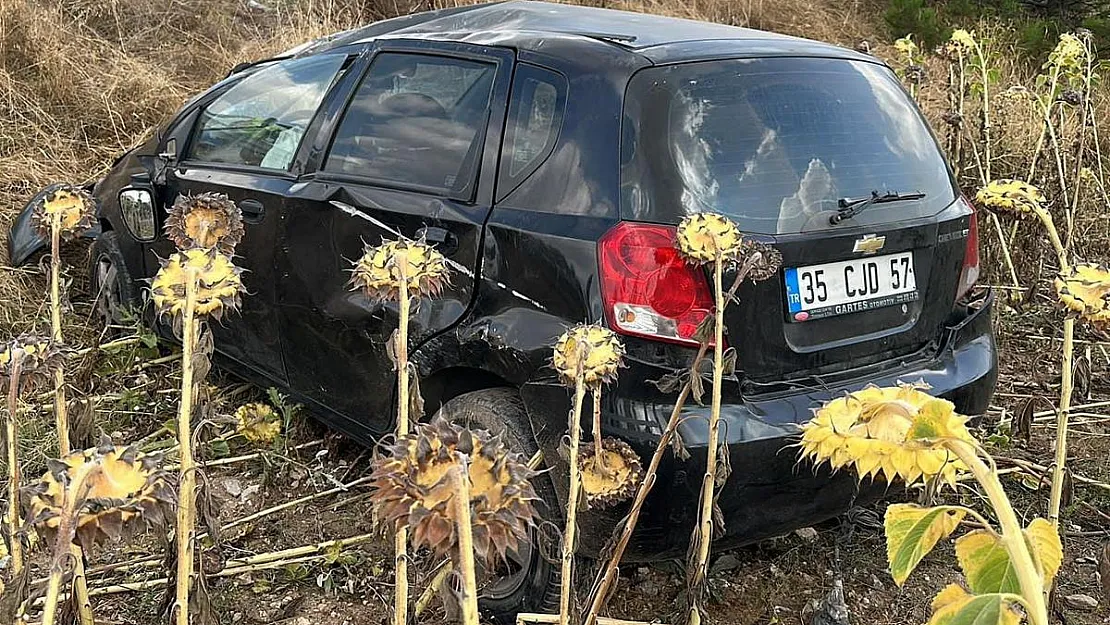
[
  {"x": 1013, "y": 538},
  {"x": 465, "y": 548},
  {"x": 566, "y": 590},
  {"x": 400, "y": 538},
  {"x": 603, "y": 585},
  {"x": 185, "y": 533},
  {"x": 705, "y": 512},
  {"x": 11, "y": 433},
  {"x": 74, "y": 495},
  {"x": 61, "y": 408}
]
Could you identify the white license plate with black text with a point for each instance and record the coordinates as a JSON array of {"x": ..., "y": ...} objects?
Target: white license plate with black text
[{"x": 850, "y": 286}]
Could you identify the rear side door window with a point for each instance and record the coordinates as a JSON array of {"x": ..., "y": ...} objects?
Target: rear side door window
[
  {"x": 416, "y": 122},
  {"x": 535, "y": 118},
  {"x": 260, "y": 121}
]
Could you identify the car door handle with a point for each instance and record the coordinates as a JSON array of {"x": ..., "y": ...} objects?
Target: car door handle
[
  {"x": 442, "y": 239},
  {"x": 253, "y": 211}
]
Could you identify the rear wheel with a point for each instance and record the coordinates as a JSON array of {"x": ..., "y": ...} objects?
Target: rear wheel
[
  {"x": 529, "y": 582},
  {"x": 115, "y": 296}
]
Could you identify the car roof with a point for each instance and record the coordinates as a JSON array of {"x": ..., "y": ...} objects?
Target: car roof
[{"x": 532, "y": 26}]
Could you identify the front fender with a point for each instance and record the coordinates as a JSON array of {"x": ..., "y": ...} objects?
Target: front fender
[{"x": 24, "y": 241}]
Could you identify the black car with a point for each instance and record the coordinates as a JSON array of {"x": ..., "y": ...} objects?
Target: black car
[{"x": 549, "y": 151}]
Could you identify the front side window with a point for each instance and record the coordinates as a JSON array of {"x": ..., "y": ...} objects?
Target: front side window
[
  {"x": 416, "y": 121},
  {"x": 260, "y": 121},
  {"x": 775, "y": 143}
]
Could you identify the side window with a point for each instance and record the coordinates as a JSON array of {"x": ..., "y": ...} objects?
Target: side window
[
  {"x": 416, "y": 121},
  {"x": 261, "y": 120},
  {"x": 535, "y": 117}
]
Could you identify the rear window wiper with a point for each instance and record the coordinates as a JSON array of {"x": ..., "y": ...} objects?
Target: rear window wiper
[{"x": 850, "y": 207}]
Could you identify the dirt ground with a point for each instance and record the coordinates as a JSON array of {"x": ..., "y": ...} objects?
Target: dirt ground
[{"x": 776, "y": 581}]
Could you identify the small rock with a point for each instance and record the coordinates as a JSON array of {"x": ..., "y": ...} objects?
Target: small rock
[
  {"x": 725, "y": 563},
  {"x": 1081, "y": 602},
  {"x": 233, "y": 487},
  {"x": 807, "y": 534}
]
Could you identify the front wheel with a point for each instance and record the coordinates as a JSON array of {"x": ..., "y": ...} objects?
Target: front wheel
[
  {"x": 528, "y": 582},
  {"x": 115, "y": 296}
]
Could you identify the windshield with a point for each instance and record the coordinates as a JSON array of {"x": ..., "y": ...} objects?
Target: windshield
[{"x": 774, "y": 143}]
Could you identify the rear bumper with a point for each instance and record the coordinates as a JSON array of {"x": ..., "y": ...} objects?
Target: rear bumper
[{"x": 769, "y": 492}]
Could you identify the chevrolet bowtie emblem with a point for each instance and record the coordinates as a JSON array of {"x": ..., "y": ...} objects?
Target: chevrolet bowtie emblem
[{"x": 869, "y": 244}]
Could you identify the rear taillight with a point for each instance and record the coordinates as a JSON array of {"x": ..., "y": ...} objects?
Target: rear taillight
[
  {"x": 970, "y": 273},
  {"x": 647, "y": 288}
]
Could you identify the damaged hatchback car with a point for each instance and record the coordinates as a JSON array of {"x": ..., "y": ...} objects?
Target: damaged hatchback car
[{"x": 548, "y": 151}]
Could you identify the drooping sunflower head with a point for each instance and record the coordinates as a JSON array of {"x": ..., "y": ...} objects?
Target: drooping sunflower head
[
  {"x": 907, "y": 46},
  {"x": 38, "y": 358},
  {"x": 1085, "y": 291},
  {"x": 705, "y": 237},
  {"x": 613, "y": 477},
  {"x": 888, "y": 430},
  {"x": 69, "y": 208},
  {"x": 384, "y": 268},
  {"x": 1070, "y": 55},
  {"x": 208, "y": 220},
  {"x": 413, "y": 486},
  {"x": 219, "y": 285},
  {"x": 120, "y": 491},
  {"x": 1013, "y": 196},
  {"x": 258, "y": 423},
  {"x": 963, "y": 39},
  {"x": 590, "y": 348},
  {"x": 763, "y": 261}
]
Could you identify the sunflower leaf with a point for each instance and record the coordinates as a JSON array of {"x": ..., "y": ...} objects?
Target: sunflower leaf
[
  {"x": 954, "y": 606},
  {"x": 912, "y": 532},
  {"x": 986, "y": 563}
]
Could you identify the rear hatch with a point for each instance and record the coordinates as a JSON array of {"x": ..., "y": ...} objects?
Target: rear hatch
[{"x": 781, "y": 145}]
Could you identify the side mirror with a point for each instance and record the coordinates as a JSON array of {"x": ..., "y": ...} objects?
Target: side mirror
[{"x": 137, "y": 208}]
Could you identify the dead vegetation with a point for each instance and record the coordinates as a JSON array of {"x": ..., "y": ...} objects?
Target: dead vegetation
[{"x": 83, "y": 80}]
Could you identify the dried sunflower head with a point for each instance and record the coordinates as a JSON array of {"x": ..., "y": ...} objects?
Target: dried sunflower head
[
  {"x": 124, "y": 492},
  {"x": 208, "y": 220},
  {"x": 258, "y": 423},
  {"x": 962, "y": 40},
  {"x": 887, "y": 430},
  {"x": 38, "y": 358},
  {"x": 763, "y": 261},
  {"x": 412, "y": 486},
  {"x": 1069, "y": 54},
  {"x": 218, "y": 283},
  {"x": 594, "y": 349},
  {"x": 613, "y": 477},
  {"x": 68, "y": 206},
  {"x": 1014, "y": 196},
  {"x": 706, "y": 237},
  {"x": 382, "y": 269},
  {"x": 1085, "y": 291}
]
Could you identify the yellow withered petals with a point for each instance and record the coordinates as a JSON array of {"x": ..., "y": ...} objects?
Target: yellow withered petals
[
  {"x": 1015, "y": 196},
  {"x": 258, "y": 423},
  {"x": 384, "y": 268},
  {"x": 593, "y": 349},
  {"x": 705, "y": 237},
  {"x": 612, "y": 478},
  {"x": 892, "y": 431},
  {"x": 125, "y": 492},
  {"x": 70, "y": 207},
  {"x": 218, "y": 283},
  {"x": 1085, "y": 291},
  {"x": 38, "y": 356},
  {"x": 208, "y": 220},
  {"x": 412, "y": 486}
]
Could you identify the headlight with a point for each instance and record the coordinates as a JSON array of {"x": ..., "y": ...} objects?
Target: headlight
[{"x": 137, "y": 207}]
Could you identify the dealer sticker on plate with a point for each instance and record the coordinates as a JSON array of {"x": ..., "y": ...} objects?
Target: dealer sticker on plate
[{"x": 849, "y": 286}]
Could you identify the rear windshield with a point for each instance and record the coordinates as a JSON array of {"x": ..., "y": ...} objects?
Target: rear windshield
[{"x": 775, "y": 143}]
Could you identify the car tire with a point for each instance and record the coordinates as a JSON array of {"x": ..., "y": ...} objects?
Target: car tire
[
  {"x": 534, "y": 588},
  {"x": 110, "y": 285}
]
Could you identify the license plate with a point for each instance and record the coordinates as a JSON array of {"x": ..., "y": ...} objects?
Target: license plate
[{"x": 850, "y": 286}]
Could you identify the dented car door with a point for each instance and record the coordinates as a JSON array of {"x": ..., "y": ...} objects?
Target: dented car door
[{"x": 412, "y": 155}]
